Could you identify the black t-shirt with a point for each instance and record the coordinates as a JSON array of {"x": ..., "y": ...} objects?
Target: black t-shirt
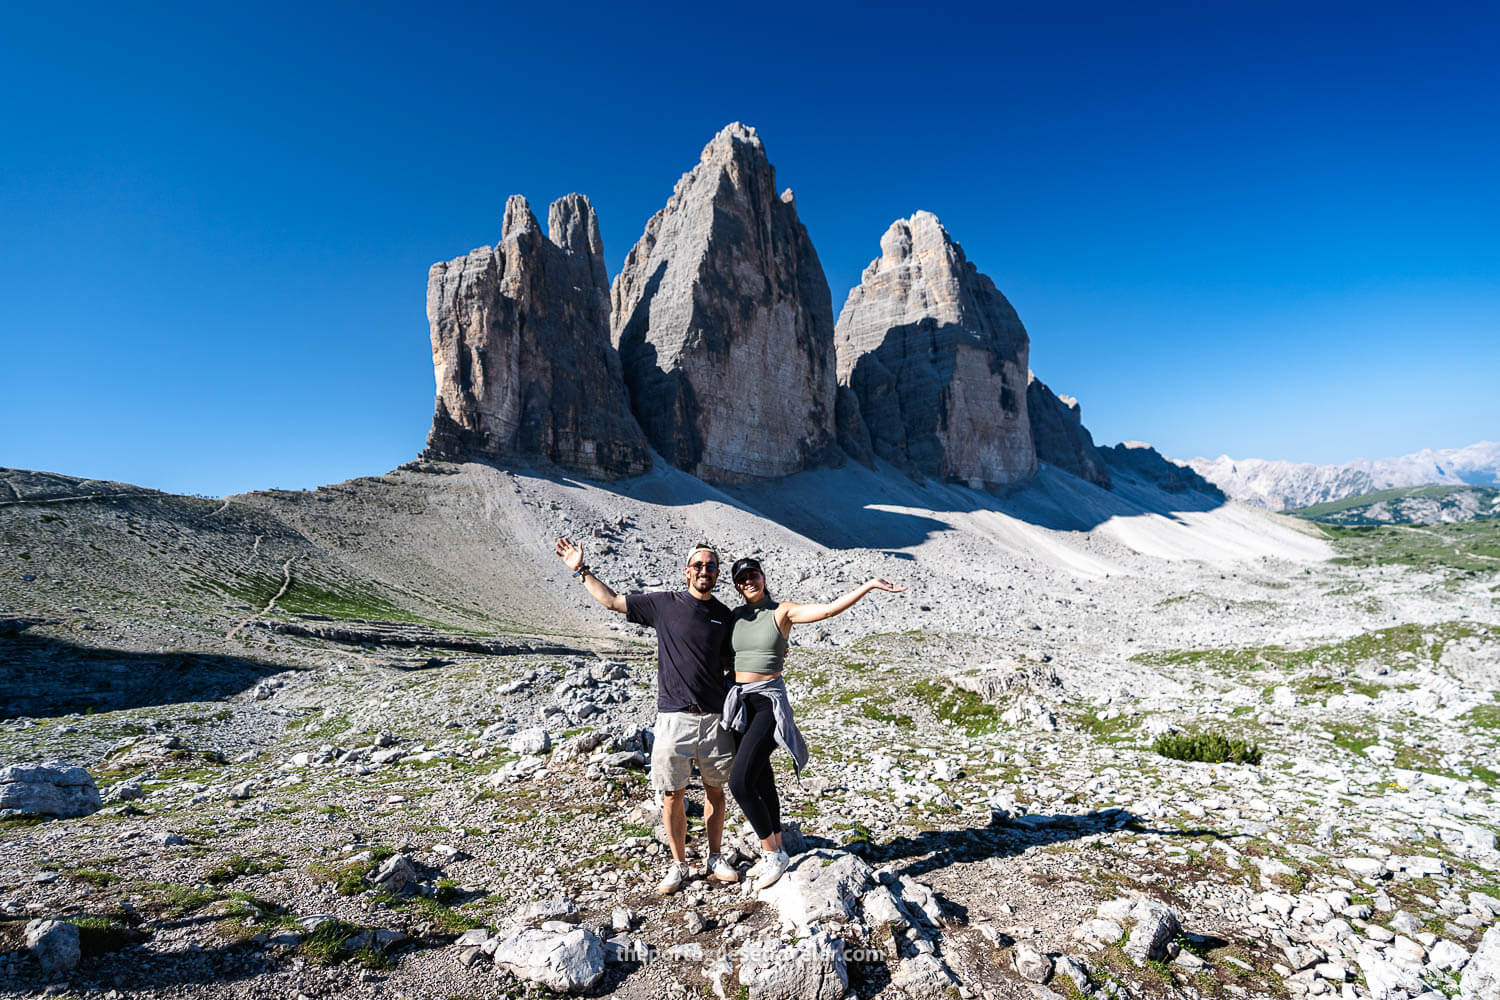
[{"x": 692, "y": 647}]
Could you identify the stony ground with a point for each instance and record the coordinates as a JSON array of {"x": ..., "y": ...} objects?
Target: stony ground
[{"x": 282, "y": 692}]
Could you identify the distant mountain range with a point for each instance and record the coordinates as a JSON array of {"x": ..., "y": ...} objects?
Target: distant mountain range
[
  {"x": 1277, "y": 485},
  {"x": 1409, "y": 505}
]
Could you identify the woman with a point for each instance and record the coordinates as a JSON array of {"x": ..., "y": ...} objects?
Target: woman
[{"x": 758, "y": 708}]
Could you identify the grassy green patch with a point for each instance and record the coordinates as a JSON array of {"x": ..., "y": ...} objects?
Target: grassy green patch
[
  {"x": 964, "y": 709},
  {"x": 239, "y": 865},
  {"x": 1352, "y": 736},
  {"x": 93, "y": 876},
  {"x": 438, "y": 908},
  {"x": 1209, "y": 747},
  {"x": 21, "y": 822},
  {"x": 873, "y": 703},
  {"x": 308, "y": 595},
  {"x": 1483, "y": 716},
  {"x": 1323, "y": 687},
  {"x": 1114, "y": 730},
  {"x": 349, "y": 878},
  {"x": 331, "y": 944},
  {"x": 1397, "y": 647},
  {"x": 180, "y": 900},
  {"x": 1465, "y": 548}
]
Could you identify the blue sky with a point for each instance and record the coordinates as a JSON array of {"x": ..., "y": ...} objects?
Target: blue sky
[{"x": 1267, "y": 230}]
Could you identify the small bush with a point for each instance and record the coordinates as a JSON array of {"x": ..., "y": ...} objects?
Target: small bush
[{"x": 1211, "y": 748}]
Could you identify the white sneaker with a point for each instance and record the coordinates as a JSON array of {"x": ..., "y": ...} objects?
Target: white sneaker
[
  {"x": 719, "y": 869},
  {"x": 773, "y": 866},
  {"x": 677, "y": 874}
]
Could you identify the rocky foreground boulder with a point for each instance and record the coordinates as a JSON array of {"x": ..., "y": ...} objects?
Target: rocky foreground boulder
[
  {"x": 1060, "y": 437},
  {"x": 47, "y": 790},
  {"x": 935, "y": 357},
  {"x": 521, "y": 351},
  {"x": 724, "y": 323}
]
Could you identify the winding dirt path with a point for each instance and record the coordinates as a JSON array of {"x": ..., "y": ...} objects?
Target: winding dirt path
[
  {"x": 89, "y": 496},
  {"x": 286, "y": 581}
]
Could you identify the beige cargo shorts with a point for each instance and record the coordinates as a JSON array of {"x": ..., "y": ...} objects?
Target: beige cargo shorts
[{"x": 683, "y": 737}]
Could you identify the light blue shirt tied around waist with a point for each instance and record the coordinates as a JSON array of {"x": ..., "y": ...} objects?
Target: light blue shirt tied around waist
[{"x": 788, "y": 737}]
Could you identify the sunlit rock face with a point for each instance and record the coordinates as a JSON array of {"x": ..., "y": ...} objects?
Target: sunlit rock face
[
  {"x": 937, "y": 360},
  {"x": 521, "y": 349},
  {"x": 724, "y": 325},
  {"x": 1059, "y": 435}
]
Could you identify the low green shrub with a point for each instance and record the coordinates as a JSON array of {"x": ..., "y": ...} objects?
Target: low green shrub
[{"x": 1209, "y": 747}]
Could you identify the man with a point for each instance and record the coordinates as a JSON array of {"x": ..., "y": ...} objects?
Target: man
[{"x": 692, "y": 656}]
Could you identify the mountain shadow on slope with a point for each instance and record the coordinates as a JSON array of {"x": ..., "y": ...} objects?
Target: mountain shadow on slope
[{"x": 43, "y": 677}]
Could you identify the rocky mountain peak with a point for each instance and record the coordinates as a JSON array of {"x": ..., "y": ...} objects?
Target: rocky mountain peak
[
  {"x": 521, "y": 351},
  {"x": 1060, "y": 437},
  {"x": 935, "y": 359},
  {"x": 724, "y": 323},
  {"x": 519, "y": 219}
]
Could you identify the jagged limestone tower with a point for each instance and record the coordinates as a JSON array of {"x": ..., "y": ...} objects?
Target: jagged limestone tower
[
  {"x": 1059, "y": 435},
  {"x": 724, "y": 325},
  {"x": 935, "y": 361},
  {"x": 521, "y": 350}
]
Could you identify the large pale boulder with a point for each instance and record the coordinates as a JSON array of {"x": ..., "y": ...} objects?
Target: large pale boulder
[
  {"x": 813, "y": 968},
  {"x": 521, "y": 351},
  {"x": 1481, "y": 978},
  {"x": 47, "y": 790},
  {"x": 567, "y": 962},
  {"x": 724, "y": 324},
  {"x": 820, "y": 886},
  {"x": 54, "y": 944},
  {"x": 1059, "y": 435},
  {"x": 936, "y": 359}
]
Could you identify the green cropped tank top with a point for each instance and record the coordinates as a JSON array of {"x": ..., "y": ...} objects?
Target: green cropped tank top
[{"x": 759, "y": 646}]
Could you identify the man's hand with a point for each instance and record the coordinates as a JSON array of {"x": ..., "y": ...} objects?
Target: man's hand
[{"x": 570, "y": 554}]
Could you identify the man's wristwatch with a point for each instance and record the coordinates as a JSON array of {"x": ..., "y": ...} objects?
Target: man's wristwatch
[{"x": 580, "y": 571}]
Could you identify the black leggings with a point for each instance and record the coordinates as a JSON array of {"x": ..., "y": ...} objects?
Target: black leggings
[{"x": 751, "y": 779}]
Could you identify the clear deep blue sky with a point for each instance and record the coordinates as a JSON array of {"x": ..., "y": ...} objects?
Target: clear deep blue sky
[{"x": 1256, "y": 229}]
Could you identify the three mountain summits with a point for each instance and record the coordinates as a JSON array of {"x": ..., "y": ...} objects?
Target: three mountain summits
[{"x": 717, "y": 347}]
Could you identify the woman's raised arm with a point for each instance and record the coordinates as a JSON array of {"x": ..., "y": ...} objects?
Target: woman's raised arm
[{"x": 799, "y": 614}]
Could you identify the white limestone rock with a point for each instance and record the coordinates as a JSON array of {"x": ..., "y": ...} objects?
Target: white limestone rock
[
  {"x": 724, "y": 324},
  {"x": 819, "y": 886},
  {"x": 1156, "y": 924},
  {"x": 55, "y": 789},
  {"x": 54, "y": 945},
  {"x": 935, "y": 360},
  {"x": 521, "y": 351},
  {"x": 1481, "y": 978},
  {"x": 811, "y": 969},
  {"x": 568, "y": 962}
]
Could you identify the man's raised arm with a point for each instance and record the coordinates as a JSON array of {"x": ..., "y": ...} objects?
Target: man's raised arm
[{"x": 572, "y": 557}]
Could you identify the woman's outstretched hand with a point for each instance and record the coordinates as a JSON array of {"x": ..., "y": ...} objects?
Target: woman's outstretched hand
[
  {"x": 570, "y": 554},
  {"x": 881, "y": 583}
]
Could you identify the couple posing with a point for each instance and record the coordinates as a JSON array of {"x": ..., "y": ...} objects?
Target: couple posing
[{"x": 729, "y": 731}]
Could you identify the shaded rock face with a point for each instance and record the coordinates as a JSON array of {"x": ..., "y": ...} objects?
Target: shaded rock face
[
  {"x": 521, "y": 351},
  {"x": 1059, "y": 435},
  {"x": 1145, "y": 462},
  {"x": 724, "y": 325},
  {"x": 936, "y": 358}
]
